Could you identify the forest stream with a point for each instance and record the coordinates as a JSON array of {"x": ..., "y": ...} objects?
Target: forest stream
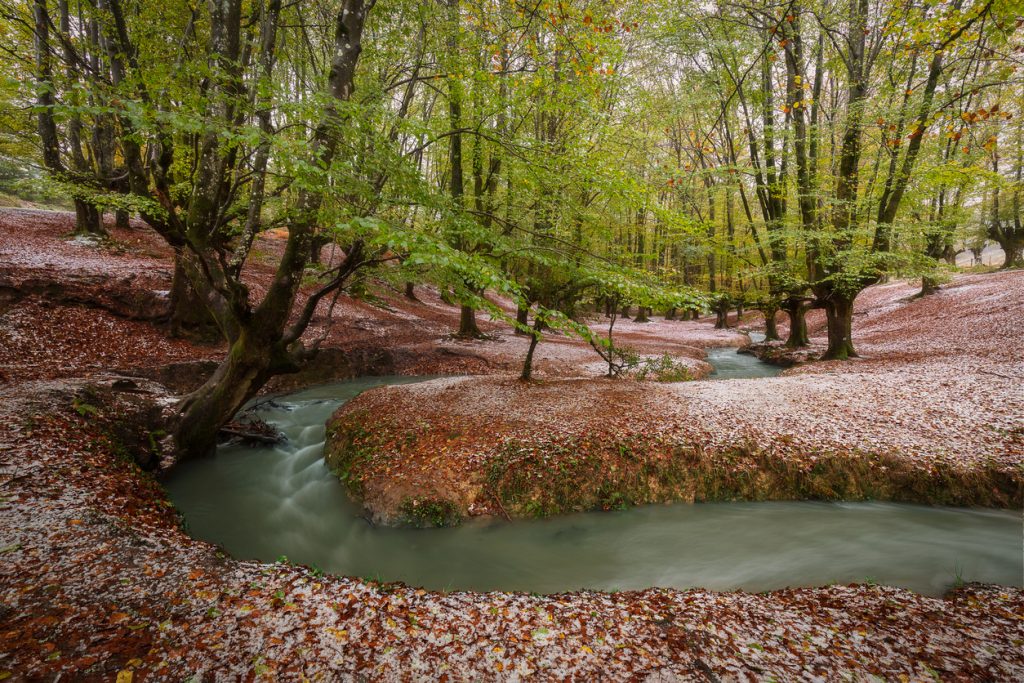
[{"x": 279, "y": 501}]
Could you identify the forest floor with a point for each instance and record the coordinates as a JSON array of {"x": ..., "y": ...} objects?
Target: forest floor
[{"x": 97, "y": 578}]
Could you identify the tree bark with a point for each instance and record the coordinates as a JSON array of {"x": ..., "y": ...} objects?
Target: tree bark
[
  {"x": 88, "y": 219},
  {"x": 642, "y": 315},
  {"x": 722, "y": 314},
  {"x": 410, "y": 291},
  {"x": 236, "y": 380},
  {"x": 468, "y": 328},
  {"x": 797, "y": 309},
  {"x": 1013, "y": 250},
  {"x": 839, "y": 315}
]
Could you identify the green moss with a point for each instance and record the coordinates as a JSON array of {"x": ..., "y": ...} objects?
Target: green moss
[
  {"x": 349, "y": 446},
  {"x": 536, "y": 481},
  {"x": 429, "y": 512}
]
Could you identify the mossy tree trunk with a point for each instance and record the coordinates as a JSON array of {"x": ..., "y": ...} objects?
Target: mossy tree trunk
[
  {"x": 839, "y": 316},
  {"x": 796, "y": 309}
]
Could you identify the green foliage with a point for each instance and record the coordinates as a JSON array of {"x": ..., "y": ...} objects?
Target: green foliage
[{"x": 663, "y": 369}]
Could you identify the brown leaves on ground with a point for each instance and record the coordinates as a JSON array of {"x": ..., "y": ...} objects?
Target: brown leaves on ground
[{"x": 98, "y": 582}]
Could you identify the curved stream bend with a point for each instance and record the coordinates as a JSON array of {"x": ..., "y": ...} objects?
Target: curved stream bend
[{"x": 265, "y": 502}]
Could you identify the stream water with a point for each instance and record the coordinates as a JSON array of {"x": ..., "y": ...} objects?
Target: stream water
[
  {"x": 268, "y": 502},
  {"x": 729, "y": 364}
]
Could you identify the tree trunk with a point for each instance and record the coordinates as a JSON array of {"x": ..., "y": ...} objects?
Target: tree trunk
[
  {"x": 642, "y": 315},
  {"x": 237, "y": 379},
  {"x": 467, "y": 324},
  {"x": 1013, "y": 249},
  {"x": 88, "y": 219},
  {"x": 797, "y": 312},
  {"x": 839, "y": 313},
  {"x": 722, "y": 315},
  {"x": 538, "y": 328},
  {"x": 522, "y": 318},
  {"x": 624, "y": 313},
  {"x": 190, "y": 317},
  {"x": 410, "y": 291},
  {"x": 316, "y": 248},
  {"x": 670, "y": 314},
  {"x": 771, "y": 330},
  {"x": 121, "y": 219}
]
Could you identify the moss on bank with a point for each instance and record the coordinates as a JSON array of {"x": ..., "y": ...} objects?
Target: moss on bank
[
  {"x": 532, "y": 482},
  {"x": 517, "y": 477}
]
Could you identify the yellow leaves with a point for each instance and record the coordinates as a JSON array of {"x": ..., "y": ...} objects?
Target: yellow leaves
[
  {"x": 74, "y": 522},
  {"x": 586, "y": 648},
  {"x": 125, "y": 676},
  {"x": 339, "y": 633}
]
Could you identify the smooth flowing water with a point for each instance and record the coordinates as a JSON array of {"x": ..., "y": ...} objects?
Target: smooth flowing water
[
  {"x": 729, "y": 364},
  {"x": 264, "y": 503}
]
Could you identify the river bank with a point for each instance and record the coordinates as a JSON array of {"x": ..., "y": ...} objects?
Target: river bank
[{"x": 930, "y": 414}]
